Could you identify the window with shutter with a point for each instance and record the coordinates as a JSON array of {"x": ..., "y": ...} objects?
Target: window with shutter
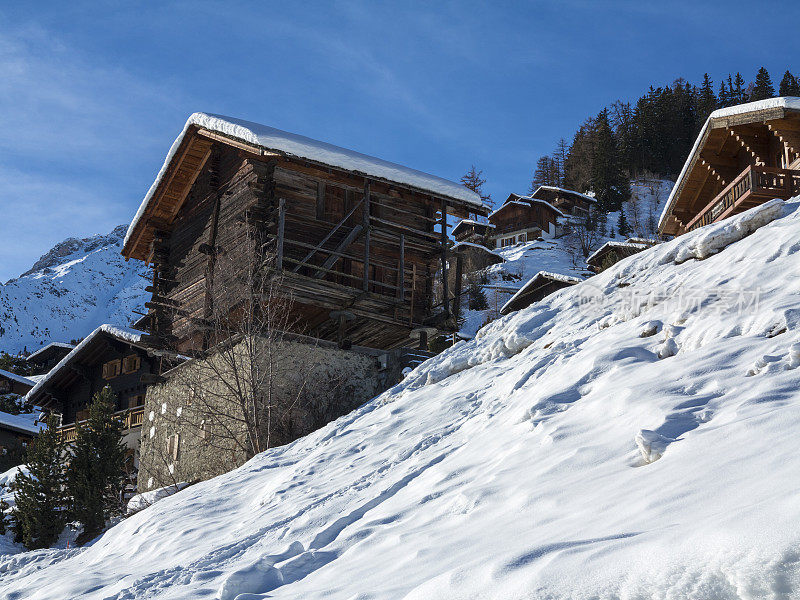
[
  {"x": 131, "y": 364},
  {"x": 112, "y": 368}
]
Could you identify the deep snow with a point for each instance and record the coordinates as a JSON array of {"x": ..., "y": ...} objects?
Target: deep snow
[
  {"x": 556, "y": 455},
  {"x": 69, "y": 291}
]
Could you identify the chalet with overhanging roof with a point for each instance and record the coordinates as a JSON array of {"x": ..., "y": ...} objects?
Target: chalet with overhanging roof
[
  {"x": 523, "y": 219},
  {"x": 612, "y": 252},
  {"x": 744, "y": 156},
  {"x": 109, "y": 356},
  {"x": 569, "y": 202},
  {"x": 350, "y": 234},
  {"x": 11, "y": 383},
  {"x": 47, "y": 357},
  {"x": 536, "y": 288}
]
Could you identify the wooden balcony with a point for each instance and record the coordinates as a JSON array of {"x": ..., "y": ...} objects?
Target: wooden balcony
[
  {"x": 131, "y": 419},
  {"x": 753, "y": 186}
]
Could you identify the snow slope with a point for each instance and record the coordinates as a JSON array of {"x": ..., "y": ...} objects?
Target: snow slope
[
  {"x": 633, "y": 436},
  {"x": 76, "y": 286}
]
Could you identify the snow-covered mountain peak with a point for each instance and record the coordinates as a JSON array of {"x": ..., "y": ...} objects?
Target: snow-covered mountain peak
[{"x": 74, "y": 287}]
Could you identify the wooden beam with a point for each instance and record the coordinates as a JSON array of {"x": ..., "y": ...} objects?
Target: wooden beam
[
  {"x": 337, "y": 252},
  {"x": 326, "y": 238},
  {"x": 401, "y": 284},
  {"x": 281, "y": 225},
  {"x": 445, "y": 285},
  {"x": 366, "y": 226}
]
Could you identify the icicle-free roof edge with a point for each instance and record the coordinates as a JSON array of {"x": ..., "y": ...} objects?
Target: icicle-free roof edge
[{"x": 298, "y": 146}]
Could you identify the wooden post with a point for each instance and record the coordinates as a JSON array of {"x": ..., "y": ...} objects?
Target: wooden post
[
  {"x": 459, "y": 273},
  {"x": 423, "y": 340},
  {"x": 365, "y": 221},
  {"x": 445, "y": 284},
  {"x": 281, "y": 223},
  {"x": 413, "y": 292},
  {"x": 401, "y": 284}
]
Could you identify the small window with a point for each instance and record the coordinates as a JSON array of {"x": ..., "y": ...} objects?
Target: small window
[
  {"x": 131, "y": 363},
  {"x": 505, "y": 242},
  {"x": 137, "y": 401},
  {"x": 205, "y": 430},
  {"x": 173, "y": 446},
  {"x": 112, "y": 369}
]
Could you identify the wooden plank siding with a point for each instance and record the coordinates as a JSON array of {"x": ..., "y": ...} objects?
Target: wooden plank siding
[{"x": 322, "y": 252}]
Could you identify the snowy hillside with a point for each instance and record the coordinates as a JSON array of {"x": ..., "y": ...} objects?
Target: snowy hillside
[
  {"x": 631, "y": 437},
  {"x": 76, "y": 286},
  {"x": 562, "y": 255}
]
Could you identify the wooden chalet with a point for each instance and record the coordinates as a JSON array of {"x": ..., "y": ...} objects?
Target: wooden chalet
[
  {"x": 569, "y": 202},
  {"x": 537, "y": 287},
  {"x": 469, "y": 230},
  {"x": 612, "y": 252},
  {"x": 523, "y": 219},
  {"x": 11, "y": 383},
  {"x": 109, "y": 356},
  {"x": 16, "y": 431},
  {"x": 744, "y": 156},
  {"x": 349, "y": 233},
  {"x": 47, "y": 357}
]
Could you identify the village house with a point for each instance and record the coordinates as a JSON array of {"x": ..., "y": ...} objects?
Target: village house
[
  {"x": 11, "y": 383},
  {"x": 569, "y": 202},
  {"x": 354, "y": 245},
  {"x": 744, "y": 156},
  {"x": 536, "y": 288},
  {"x": 523, "y": 219},
  {"x": 470, "y": 230},
  {"x": 16, "y": 431},
  {"x": 47, "y": 357},
  {"x": 109, "y": 356},
  {"x": 612, "y": 252}
]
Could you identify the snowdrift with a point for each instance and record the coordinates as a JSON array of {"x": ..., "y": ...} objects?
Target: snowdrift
[{"x": 632, "y": 436}]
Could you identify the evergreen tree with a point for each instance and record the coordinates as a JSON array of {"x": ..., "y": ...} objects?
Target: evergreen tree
[
  {"x": 547, "y": 172},
  {"x": 737, "y": 91},
  {"x": 763, "y": 87},
  {"x": 474, "y": 181},
  {"x": 706, "y": 100},
  {"x": 560, "y": 157},
  {"x": 789, "y": 85},
  {"x": 610, "y": 185},
  {"x": 97, "y": 466},
  {"x": 724, "y": 96},
  {"x": 622, "y": 224},
  {"x": 39, "y": 514}
]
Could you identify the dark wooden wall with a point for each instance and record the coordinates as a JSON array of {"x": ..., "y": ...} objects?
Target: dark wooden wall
[{"x": 237, "y": 193}]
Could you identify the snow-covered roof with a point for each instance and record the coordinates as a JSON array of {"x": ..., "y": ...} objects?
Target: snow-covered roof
[
  {"x": 24, "y": 422},
  {"x": 527, "y": 201},
  {"x": 15, "y": 377},
  {"x": 50, "y": 345},
  {"x": 474, "y": 222},
  {"x": 613, "y": 244},
  {"x": 553, "y": 188},
  {"x": 294, "y": 145},
  {"x": 133, "y": 336},
  {"x": 540, "y": 275},
  {"x": 790, "y": 102},
  {"x": 37, "y": 378},
  {"x": 479, "y": 246}
]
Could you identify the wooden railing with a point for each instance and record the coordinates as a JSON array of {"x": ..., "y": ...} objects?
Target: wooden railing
[
  {"x": 762, "y": 183},
  {"x": 131, "y": 419}
]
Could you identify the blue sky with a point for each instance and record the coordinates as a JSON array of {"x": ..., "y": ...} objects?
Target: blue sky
[{"x": 92, "y": 98}]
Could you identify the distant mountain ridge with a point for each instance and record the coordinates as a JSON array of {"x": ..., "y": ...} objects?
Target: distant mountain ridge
[{"x": 74, "y": 287}]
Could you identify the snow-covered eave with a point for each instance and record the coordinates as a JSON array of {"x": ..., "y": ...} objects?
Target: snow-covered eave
[
  {"x": 50, "y": 345},
  {"x": 526, "y": 201},
  {"x": 15, "y": 377},
  {"x": 479, "y": 246},
  {"x": 125, "y": 334},
  {"x": 472, "y": 222},
  {"x": 298, "y": 146},
  {"x": 540, "y": 275},
  {"x": 612, "y": 244},
  {"x": 553, "y": 188},
  {"x": 17, "y": 423},
  {"x": 786, "y": 102}
]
